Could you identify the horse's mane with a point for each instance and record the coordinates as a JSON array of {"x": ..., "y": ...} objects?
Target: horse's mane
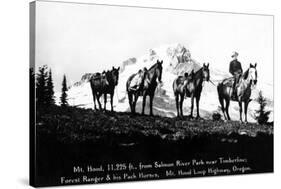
[
  {"x": 198, "y": 72},
  {"x": 245, "y": 74},
  {"x": 153, "y": 67}
]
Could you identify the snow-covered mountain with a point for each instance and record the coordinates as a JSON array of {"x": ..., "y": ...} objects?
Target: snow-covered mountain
[{"x": 176, "y": 60}]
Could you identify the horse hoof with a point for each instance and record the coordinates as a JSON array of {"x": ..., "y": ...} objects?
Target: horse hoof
[
  {"x": 198, "y": 117},
  {"x": 180, "y": 116}
]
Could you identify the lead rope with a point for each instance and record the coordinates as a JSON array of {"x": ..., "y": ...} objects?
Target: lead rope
[{"x": 212, "y": 82}]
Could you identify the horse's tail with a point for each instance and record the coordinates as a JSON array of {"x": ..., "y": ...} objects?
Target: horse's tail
[
  {"x": 220, "y": 94},
  {"x": 127, "y": 86},
  {"x": 91, "y": 83},
  {"x": 129, "y": 82},
  {"x": 219, "y": 90},
  {"x": 175, "y": 87}
]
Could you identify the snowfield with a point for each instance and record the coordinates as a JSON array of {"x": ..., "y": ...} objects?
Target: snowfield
[{"x": 176, "y": 60}]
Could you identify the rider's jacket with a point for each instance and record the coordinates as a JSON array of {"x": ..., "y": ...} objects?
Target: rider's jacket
[{"x": 235, "y": 67}]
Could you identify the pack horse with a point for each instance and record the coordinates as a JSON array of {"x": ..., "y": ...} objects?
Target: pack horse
[
  {"x": 147, "y": 86},
  {"x": 103, "y": 84},
  {"x": 191, "y": 86}
]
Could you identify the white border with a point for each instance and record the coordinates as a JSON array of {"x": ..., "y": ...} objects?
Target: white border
[{"x": 14, "y": 94}]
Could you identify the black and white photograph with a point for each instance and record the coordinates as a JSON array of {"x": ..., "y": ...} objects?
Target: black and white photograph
[{"x": 131, "y": 93}]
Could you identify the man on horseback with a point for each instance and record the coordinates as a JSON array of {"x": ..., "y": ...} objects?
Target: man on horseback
[{"x": 236, "y": 70}]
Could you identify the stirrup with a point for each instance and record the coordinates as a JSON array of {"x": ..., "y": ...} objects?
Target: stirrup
[{"x": 134, "y": 88}]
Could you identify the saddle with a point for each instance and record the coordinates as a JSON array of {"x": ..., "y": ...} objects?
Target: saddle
[
  {"x": 139, "y": 80},
  {"x": 100, "y": 77},
  {"x": 96, "y": 76},
  {"x": 229, "y": 82},
  {"x": 183, "y": 83}
]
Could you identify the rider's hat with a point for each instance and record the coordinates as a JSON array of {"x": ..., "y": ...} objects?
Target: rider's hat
[{"x": 234, "y": 54}]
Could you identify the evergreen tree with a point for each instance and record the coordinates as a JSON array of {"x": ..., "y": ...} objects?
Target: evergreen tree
[
  {"x": 262, "y": 115},
  {"x": 50, "y": 89},
  {"x": 31, "y": 82},
  {"x": 31, "y": 93},
  {"x": 41, "y": 78},
  {"x": 63, "y": 97}
]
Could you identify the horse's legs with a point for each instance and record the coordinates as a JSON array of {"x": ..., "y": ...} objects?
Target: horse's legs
[
  {"x": 240, "y": 110},
  {"x": 245, "y": 110},
  {"x": 111, "y": 100},
  {"x": 181, "y": 102},
  {"x": 105, "y": 100},
  {"x": 151, "y": 104},
  {"x": 191, "y": 108},
  {"x": 227, "y": 102},
  {"x": 197, "y": 106},
  {"x": 177, "y": 104},
  {"x": 143, "y": 103},
  {"x": 130, "y": 96},
  {"x": 94, "y": 97},
  {"x": 98, "y": 99},
  {"x": 135, "y": 102},
  {"x": 222, "y": 107}
]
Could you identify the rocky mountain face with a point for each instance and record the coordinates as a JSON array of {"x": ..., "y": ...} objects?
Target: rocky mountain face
[
  {"x": 85, "y": 78},
  {"x": 177, "y": 60},
  {"x": 126, "y": 63}
]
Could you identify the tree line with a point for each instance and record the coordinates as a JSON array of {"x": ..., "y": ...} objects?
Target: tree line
[{"x": 44, "y": 87}]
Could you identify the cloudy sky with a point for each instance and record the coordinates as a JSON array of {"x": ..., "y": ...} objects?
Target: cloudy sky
[{"x": 74, "y": 39}]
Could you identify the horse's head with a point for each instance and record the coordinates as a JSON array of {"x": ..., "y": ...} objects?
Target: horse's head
[
  {"x": 206, "y": 72},
  {"x": 253, "y": 74},
  {"x": 114, "y": 74},
  {"x": 159, "y": 70}
]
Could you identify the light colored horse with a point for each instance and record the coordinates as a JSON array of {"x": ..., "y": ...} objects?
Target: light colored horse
[{"x": 244, "y": 89}]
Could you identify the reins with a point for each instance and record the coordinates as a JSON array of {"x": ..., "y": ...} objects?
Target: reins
[{"x": 212, "y": 82}]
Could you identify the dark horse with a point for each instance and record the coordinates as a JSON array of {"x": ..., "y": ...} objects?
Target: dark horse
[
  {"x": 104, "y": 84},
  {"x": 244, "y": 88},
  {"x": 180, "y": 85},
  {"x": 191, "y": 86},
  {"x": 148, "y": 87}
]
